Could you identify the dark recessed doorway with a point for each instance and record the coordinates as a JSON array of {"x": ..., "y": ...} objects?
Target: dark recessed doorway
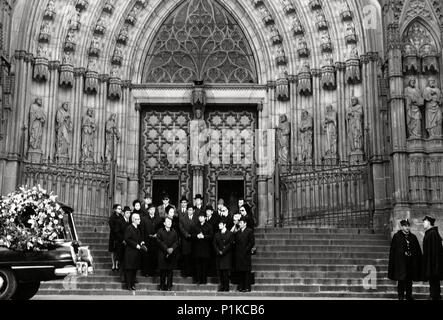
[{"x": 230, "y": 191}]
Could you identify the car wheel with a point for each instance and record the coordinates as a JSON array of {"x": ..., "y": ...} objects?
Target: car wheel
[
  {"x": 26, "y": 290},
  {"x": 8, "y": 284}
]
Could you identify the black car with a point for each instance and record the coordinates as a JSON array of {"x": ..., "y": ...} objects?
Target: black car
[{"x": 22, "y": 271}]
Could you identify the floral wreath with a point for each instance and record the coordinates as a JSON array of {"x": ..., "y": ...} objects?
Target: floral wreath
[{"x": 30, "y": 220}]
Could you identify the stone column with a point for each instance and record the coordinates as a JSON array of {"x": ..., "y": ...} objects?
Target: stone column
[{"x": 398, "y": 122}]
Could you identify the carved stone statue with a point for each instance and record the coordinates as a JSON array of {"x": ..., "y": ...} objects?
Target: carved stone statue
[
  {"x": 306, "y": 130},
  {"x": 283, "y": 138},
  {"x": 112, "y": 135},
  {"x": 63, "y": 129},
  {"x": 88, "y": 134},
  {"x": 197, "y": 130},
  {"x": 37, "y": 119},
  {"x": 355, "y": 125},
  {"x": 330, "y": 128},
  {"x": 432, "y": 97},
  {"x": 74, "y": 19},
  {"x": 413, "y": 102}
]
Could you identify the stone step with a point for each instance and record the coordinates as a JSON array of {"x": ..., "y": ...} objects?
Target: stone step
[
  {"x": 381, "y": 274},
  {"x": 263, "y": 247},
  {"x": 358, "y": 280},
  {"x": 322, "y": 242},
  {"x": 53, "y": 285}
]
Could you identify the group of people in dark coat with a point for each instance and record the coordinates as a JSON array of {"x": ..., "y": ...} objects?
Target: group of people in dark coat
[
  {"x": 407, "y": 263},
  {"x": 198, "y": 240}
]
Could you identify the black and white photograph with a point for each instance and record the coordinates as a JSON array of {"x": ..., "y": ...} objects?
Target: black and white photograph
[{"x": 233, "y": 151}]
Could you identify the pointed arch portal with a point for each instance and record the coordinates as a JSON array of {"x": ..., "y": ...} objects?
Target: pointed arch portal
[{"x": 200, "y": 41}]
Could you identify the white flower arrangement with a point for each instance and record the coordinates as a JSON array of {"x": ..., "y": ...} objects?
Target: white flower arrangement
[{"x": 30, "y": 219}]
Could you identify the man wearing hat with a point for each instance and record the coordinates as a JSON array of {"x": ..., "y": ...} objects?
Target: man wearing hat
[
  {"x": 432, "y": 257},
  {"x": 187, "y": 224},
  {"x": 161, "y": 209},
  {"x": 183, "y": 206},
  {"x": 202, "y": 243},
  {"x": 150, "y": 224},
  {"x": 405, "y": 259},
  {"x": 198, "y": 204},
  {"x": 223, "y": 241},
  {"x": 244, "y": 242}
]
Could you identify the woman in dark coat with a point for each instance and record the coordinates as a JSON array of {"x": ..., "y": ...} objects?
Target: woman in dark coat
[
  {"x": 134, "y": 243},
  {"x": 244, "y": 242},
  {"x": 404, "y": 260},
  {"x": 223, "y": 241},
  {"x": 167, "y": 254},
  {"x": 432, "y": 257},
  {"x": 113, "y": 237}
]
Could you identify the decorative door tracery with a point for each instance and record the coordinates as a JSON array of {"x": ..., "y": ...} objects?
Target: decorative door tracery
[{"x": 164, "y": 148}]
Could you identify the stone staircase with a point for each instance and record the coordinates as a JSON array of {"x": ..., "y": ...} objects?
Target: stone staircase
[{"x": 317, "y": 263}]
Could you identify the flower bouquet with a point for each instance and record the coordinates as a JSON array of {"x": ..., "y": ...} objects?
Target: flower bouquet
[{"x": 30, "y": 220}]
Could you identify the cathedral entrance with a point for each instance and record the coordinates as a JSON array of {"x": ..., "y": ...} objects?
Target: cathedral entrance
[
  {"x": 165, "y": 186},
  {"x": 230, "y": 191}
]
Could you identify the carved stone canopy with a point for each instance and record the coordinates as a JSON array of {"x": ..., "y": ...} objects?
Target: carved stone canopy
[{"x": 198, "y": 98}]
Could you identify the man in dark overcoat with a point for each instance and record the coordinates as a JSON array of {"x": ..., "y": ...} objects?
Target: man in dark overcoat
[
  {"x": 213, "y": 219},
  {"x": 186, "y": 225},
  {"x": 432, "y": 257},
  {"x": 405, "y": 260},
  {"x": 201, "y": 250},
  {"x": 121, "y": 225},
  {"x": 244, "y": 242},
  {"x": 134, "y": 243},
  {"x": 167, "y": 254},
  {"x": 223, "y": 241},
  {"x": 150, "y": 224},
  {"x": 198, "y": 204}
]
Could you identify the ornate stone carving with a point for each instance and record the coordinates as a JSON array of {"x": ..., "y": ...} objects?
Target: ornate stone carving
[
  {"x": 112, "y": 137},
  {"x": 275, "y": 35},
  {"x": 282, "y": 87},
  {"x": 222, "y": 55},
  {"x": 345, "y": 11},
  {"x": 74, "y": 19},
  {"x": 354, "y": 116},
  {"x": 88, "y": 135},
  {"x": 49, "y": 11},
  {"x": 114, "y": 88},
  {"x": 265, "y": 15},
  {"x": 429, "y": 57},
  {"x": 63, "y": 130},
  {"x": 45, "y": 31},
  {"x": 297, "y": 27},
  {"x": 94, "y": 48},
  {"x": 37, "y": 119},
  {"x": 100, "y": 27},
  {"x": 142, "y": 3},
  {"x": 321, "y": 23},
  {"x": 326, "y": 43},
  {"x": 302, "y": 49},
  {"x": 306, "y": 130},
  {"x": 328, "y": 75},
  {"x": 109, "y": 6},
  {"x": 351, "y": 35},
  {"x": 280, "y": 56},
  {"x": 283, "y": 140},
  {"x": 70, "y": 41},
  {"x": 353, "y": 74},
  {"x": 117, "y": 57},
  {"x": 330, "y": 130},
  {"x": 414, "y": 101},
  {"x": 305, "y": 81},
  {"x": 67, "y": 70},
  {"x": 257, "y": 3},
  {"x": 82, "y": 4},
  {"x": 418, "y": 8},
  {"x": 198, "y": 96},
  {"x": 41, "y": 64},
  {"x": 123, "y": 35},
  {"x": 288, "y": 7},
  {"x": 410, "y": 59},
  {"x": 432, "y": 97},
  {"x": 315, "y": 4},
  {"x": 132, "y": 16}
]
